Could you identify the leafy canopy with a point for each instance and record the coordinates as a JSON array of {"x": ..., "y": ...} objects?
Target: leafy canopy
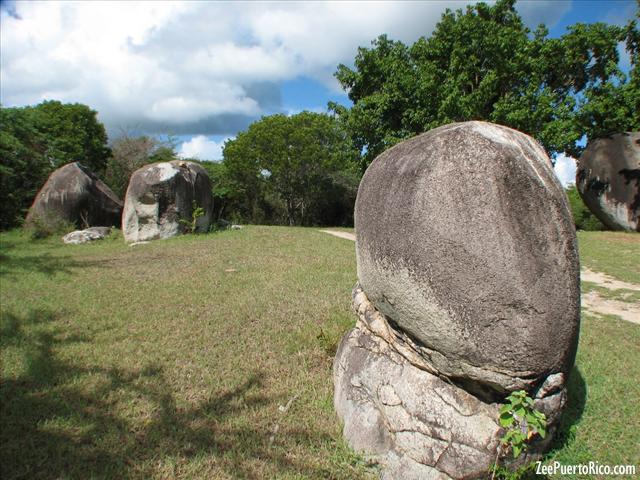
[
  {"x": 36, "y": 140},
  {"x": 299, "y": 165},
  {"x": 484, "y": 64}
]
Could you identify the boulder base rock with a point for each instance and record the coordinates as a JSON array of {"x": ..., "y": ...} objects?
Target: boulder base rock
[
  {"x": 73, "y": 193},
  {"x": 160, "y": 199},
  {"x": 608, "y": 179},
  {"x": 465, "y": 242},
  {"x": 416, "y": 424},
  {"x": 87, "y": 235}
]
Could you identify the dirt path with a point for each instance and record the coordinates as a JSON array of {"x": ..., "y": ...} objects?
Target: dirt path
[
  {"x": 591, "y": 301},
  {"x": 345, "y": 235},
  {"x": 604, "y": 280},
  {"x": 597, "y": 304},
  {"x": 594, "y": 303}
]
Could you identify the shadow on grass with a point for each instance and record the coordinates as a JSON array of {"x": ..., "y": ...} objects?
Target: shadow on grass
[
  {"x": 577, "y": 398},
  {"x": 64, "y": 420},
  {"x": 45, "y": 263}
]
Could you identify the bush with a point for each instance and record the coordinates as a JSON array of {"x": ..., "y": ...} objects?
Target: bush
[
  {"x": 42, "y": 227},
  {"x": 582, "y": 216}
]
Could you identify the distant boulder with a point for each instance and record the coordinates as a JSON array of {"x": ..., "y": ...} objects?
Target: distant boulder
[
  {"x": 74, "y": 194},
  {"x": 608, "y": 179},
  {"x": 160, "y": 200}
]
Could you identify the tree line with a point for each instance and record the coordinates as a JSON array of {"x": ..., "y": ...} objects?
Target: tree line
[{"x": 480, "y": 63}]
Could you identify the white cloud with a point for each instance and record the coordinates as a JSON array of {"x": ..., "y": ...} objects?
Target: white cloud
[
  {"x": 565, "y": 169},
  {"x": 167, "y": 64},
  {"x": 189, "y": 67},
  {"x": 202, "y": 148}
]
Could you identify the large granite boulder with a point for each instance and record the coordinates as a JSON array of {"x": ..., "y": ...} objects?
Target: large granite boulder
[
  {"x": 608, "y": 179},
  {"x": 465, "y": 242},
  {"x": 160, "y": 200},
  {"x": 74, "y": 194},
  {"x": 468, "y": 291}
]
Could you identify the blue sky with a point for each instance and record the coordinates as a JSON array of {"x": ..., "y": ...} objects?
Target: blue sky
[{"x": 203, "y": 71}]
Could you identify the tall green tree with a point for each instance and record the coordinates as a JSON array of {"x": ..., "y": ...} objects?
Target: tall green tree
[
  {"x": 485, "y": 64},
  {"x": 73, "y": 133},
  {"x": 302, "y": 165},
  {"x": 36, "y": 140},
  {"x": 23, "y": 167}
]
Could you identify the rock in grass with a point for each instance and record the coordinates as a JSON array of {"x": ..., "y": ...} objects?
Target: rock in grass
[
  {"x": 160, "y": 200},
  {"x": 74, "y": 194},
  {"x": 87, "y": 235},
  {"x": 608, "y": 179},
  {"x": 465, "y": 242}
]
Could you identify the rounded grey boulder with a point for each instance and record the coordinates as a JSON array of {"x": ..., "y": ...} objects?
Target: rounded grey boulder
[
  {"x": 608, "y": 179},
  {"x": 74, "y": 194},
  {"x": 160, "y": 200},
  {"x": 465, "y": 242}
]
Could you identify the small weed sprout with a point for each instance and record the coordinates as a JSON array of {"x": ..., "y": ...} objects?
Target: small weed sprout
[
  {"x": 196, "y": 213},
  {"x": 521, "y": 421}
]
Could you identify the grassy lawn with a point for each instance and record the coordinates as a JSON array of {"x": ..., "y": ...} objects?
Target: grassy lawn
[
  {"x": 177, "y": 359},
  {"x": 614, "y": 253}
]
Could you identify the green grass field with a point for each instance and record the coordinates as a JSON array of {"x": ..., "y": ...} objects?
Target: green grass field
[{"x": 173, "y": 359}]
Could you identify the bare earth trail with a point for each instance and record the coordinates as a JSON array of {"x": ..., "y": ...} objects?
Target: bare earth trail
[
  {"x": 591, "y": 301},
  {"x": 345, "y": 235}
]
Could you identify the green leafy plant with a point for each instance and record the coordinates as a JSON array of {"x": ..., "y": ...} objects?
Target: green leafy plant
[
  {"x": 46, "y": 224},
  {"x": 196, "y": 213},
  {"x": 521, "y": 421}
]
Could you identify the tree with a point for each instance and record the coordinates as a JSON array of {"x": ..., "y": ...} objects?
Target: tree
[
  {"x": 23, "y": 167},
  {"x": 36, "y": 140},
  {"x": 72, "y": 133},
  {"x": 129, "y": 153},
  {"x": 224, "y": 197},
  {"x": 297, "y": 165},
  {"x": 484, "y": 64}
]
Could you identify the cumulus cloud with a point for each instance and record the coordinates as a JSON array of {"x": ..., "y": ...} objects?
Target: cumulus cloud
[
  {"x": 185, "y": 67},
  {"x": 202, "y": 148},
  {"x": 565, "y": 170}
]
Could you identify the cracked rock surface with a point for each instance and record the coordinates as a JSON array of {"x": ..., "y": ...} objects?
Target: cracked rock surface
[{"x": 415, "y": 423}]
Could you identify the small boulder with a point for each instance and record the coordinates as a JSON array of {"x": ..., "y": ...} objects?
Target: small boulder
[
  {"x": 465, "y": 242},
  {"x": 74, "y": 194},
  {"x": 160, "y": 200},
  {"x": 87, "y": 235},
  {"x": 608, "y": 179}
]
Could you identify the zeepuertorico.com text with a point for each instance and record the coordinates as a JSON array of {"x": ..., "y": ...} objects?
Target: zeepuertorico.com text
[{"x": 591, "y": 468}]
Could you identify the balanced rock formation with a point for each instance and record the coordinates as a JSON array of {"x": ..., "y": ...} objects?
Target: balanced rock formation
[
  {"x": 468, "y": 290},
  {"x": 73, "y": 193},
  {"x": 87, "y": 235},
  {"x": 160, "y": 200},
  {"x": 608, "y": 179}
]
